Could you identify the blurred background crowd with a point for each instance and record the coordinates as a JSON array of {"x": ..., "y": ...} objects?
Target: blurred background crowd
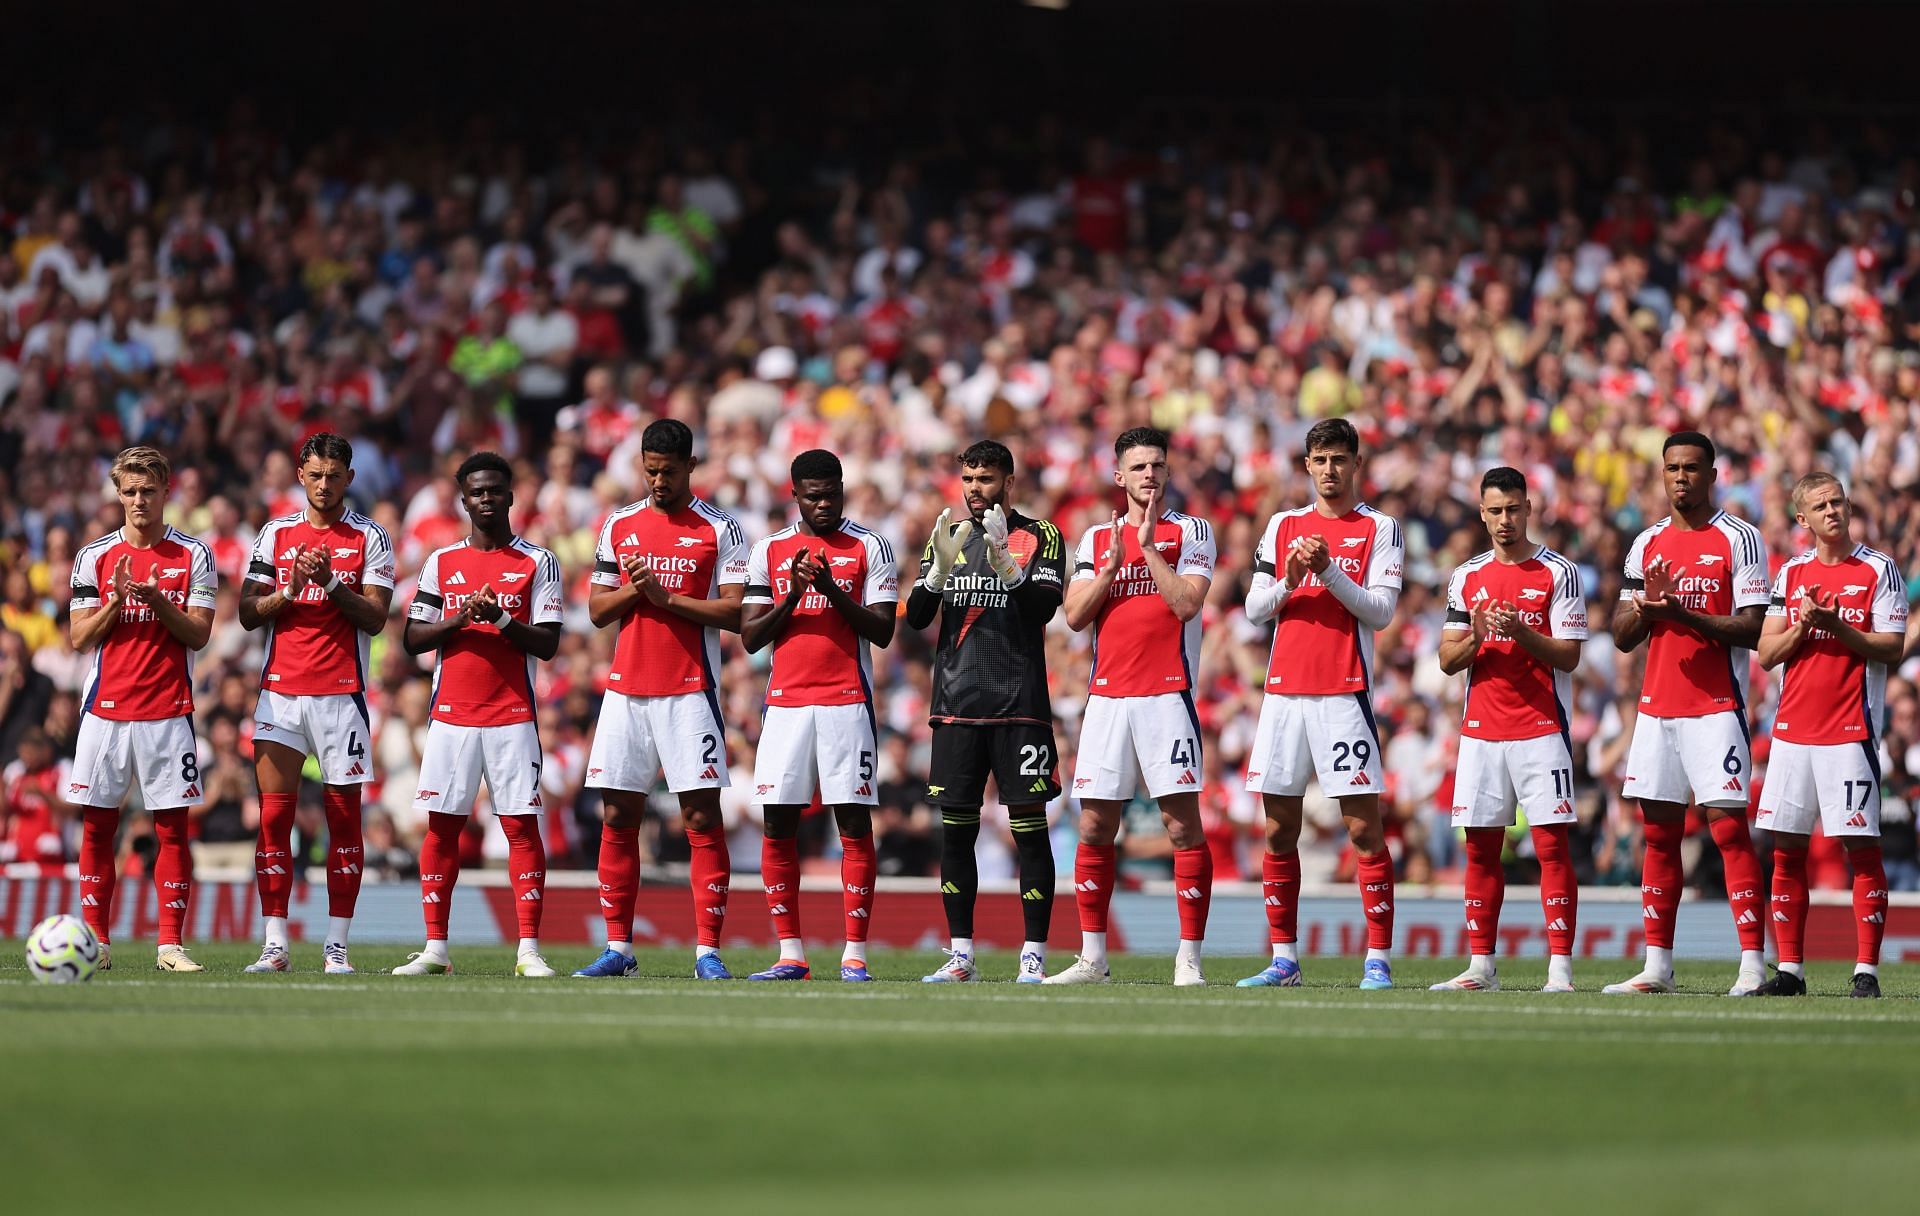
[{"x": 1470, "y": 282}]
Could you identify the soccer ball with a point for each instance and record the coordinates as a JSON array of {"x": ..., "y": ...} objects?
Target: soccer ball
[{"x": 62, "y": 950}]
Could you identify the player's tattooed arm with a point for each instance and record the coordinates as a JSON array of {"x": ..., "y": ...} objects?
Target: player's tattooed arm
[
  {"x": 365, "y": 608},
  {"x": 761, "y": 624}
]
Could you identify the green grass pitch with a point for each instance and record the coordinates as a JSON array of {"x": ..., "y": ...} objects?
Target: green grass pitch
[{"x": 483, "y": 1093}]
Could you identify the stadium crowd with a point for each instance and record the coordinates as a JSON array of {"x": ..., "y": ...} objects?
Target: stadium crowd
[{"x": 1513, "y": 293}]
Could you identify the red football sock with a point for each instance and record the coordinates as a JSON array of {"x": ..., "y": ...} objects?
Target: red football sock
[
  {"x": 1374, "y": 872},
  {"x": 858, "y": 867},
  {"x": 1280, "y": 884},
  {"x": 97, "y": 876},
  {"x": 1869, "y": 902},
  {"x": 1559, "y": 892},
  {"x": 1093, "y": 885},
  {"x": 780, "y": 871},
  {"x": 1742, "y": 868},
  {"x": 620, "y": 879},
  {"x": 712, "y": 876},
  {"x": 439, "y": 870},
  {"x": 1790, "y": 902},
  {"x": 273, "y": 853},
  {"x": 1193, "y": 888},
  {"x": 172, "y": 872},
  {"x": 345, "y": 862},
  {"x": 527, "y": 866},
  {"x": 1660, "y": 879},
  {"x": 1486, "y": 884}
]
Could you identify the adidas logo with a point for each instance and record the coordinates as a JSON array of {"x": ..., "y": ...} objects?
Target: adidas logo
[
  {"x": 1473, "y": 926},
  {"x": 1379, "y": 909},
  {"x": 274, "y": 870},
  {"x": 1039, "y": 787},
  {"x": 716, "y": 911},
  {"x": 1190, "y": 893},
  {"x": 1746, "y": 918},
  {"x": 1565, "y": 808},
  {"x": 1779, "y": 917},
  {"x": 1558, "y": 925},
  {"x": 858, "y": 914},
  {"x": 1034, "y": 894},
  {"x": 1088, "y": 885},
  {"x": 89, "y": 901},
  {"x": 947, "y": 888},
  {"x": 531, "y": 897},
  {"x": 535, "y": 801},
  {"x": 1874, "y": 918},
  {"x": 1187, "y": 778},
  {"x": 864, "y": 791},
  {"x": 357, "y": 770},
  {"x": 456, "y": 579},
  {"x": 1273, "y": 901},
  {"x": 1733, "y": 783},
  {"x": 431, "y": 897},
  {"x": 606, "y": 903},
  {"x": 631, "y": 538},
  {"x": 778, "y": 910},
  {"x": 1360, "y": 779},
  {"x": 1646, "y": 910},
  {"x": 349, "y": 868},
  {"x": 192, "y": 791},
  {"x": 1856, "y": 820},
  {"x": 712, "y": 773},
  {"x": 178, "y": 905}
]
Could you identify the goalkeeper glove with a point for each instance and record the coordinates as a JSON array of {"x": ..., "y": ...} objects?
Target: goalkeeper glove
[
  {"x": 1001, "y": 562},
  {"x": 944, "y": 546}
]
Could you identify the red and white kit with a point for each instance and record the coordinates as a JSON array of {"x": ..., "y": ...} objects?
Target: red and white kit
[
  {"x": 661, "y": 714},
  {"x": 137, "y": 724},
  {"x": 1825, "y": 762},
  {"x": 1317, "y": 716},
  {"x": 483, "y": 721},
  {"x": 313, "y": 682},
  {"x": 1690, "y": 741},
  {"x": 820, "y": 726},
  {"x": 1140, "y": 719},
  {"x": 1515, "y": 749}
]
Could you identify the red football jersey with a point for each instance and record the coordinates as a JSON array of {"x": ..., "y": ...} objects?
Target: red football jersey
[
  {"x": 820, "y": 660},
  {"x": 480, "y": 678},
  {"x": 693, "y": 551},
  {"x": 312, "y": 649},
  {"x": 1319, "y": 648},
  {"x": 1717, "y": 570},
  {"x": 1829, "y": 694},
  {"x": 142, "y": 673},
  {"x": 1140, "y": 649},
  {"x": 1511, "y": 694}
]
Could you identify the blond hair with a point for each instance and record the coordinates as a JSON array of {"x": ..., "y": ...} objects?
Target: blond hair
[
  {"x": 1811, "y": 482},
  {"x": 144, "y": 461}
]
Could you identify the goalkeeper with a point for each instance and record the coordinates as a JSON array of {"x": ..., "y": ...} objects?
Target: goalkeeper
[{"x": 995, "y": 579}]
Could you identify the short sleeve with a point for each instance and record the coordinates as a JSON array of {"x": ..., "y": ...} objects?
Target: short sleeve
[
  {"x": 759, "y": 583},
  {"x": 84, "y": 586},
  {"x": 1457, "y": 615},
  {"x": 203, "y": 584},
  {"x": 1633, "y": 578},
  {"x": 1387, "y": 563},
  {"x": 549, "y": 600},
  {"x": 1083, "y": 554},
  {"x": 427, "y": 602},
  {"x": 730, "y": 565},
  {"x": 260, "y": 567},
  {"x": 1750, "y": 578},
  {"x": 1197, "y": 552},
  {"x": 883, "y": 573},
  {"x": 1567, "y": 614},
  {"x": 606, "y": 565},
  {"x": 1777, "y": 601},
  {"x": 377, "y": 560},
  {"x": 1889, "y": 600}
]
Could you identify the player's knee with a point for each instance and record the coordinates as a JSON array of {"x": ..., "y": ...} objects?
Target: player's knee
[
  {"x": 1099, "y": 824},
  {"x": 619, "y": 813},
  {"x": 854, "y": 820},
  {"x": 1366, "y": 837},
  {"x": 700, "y": 816}
]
